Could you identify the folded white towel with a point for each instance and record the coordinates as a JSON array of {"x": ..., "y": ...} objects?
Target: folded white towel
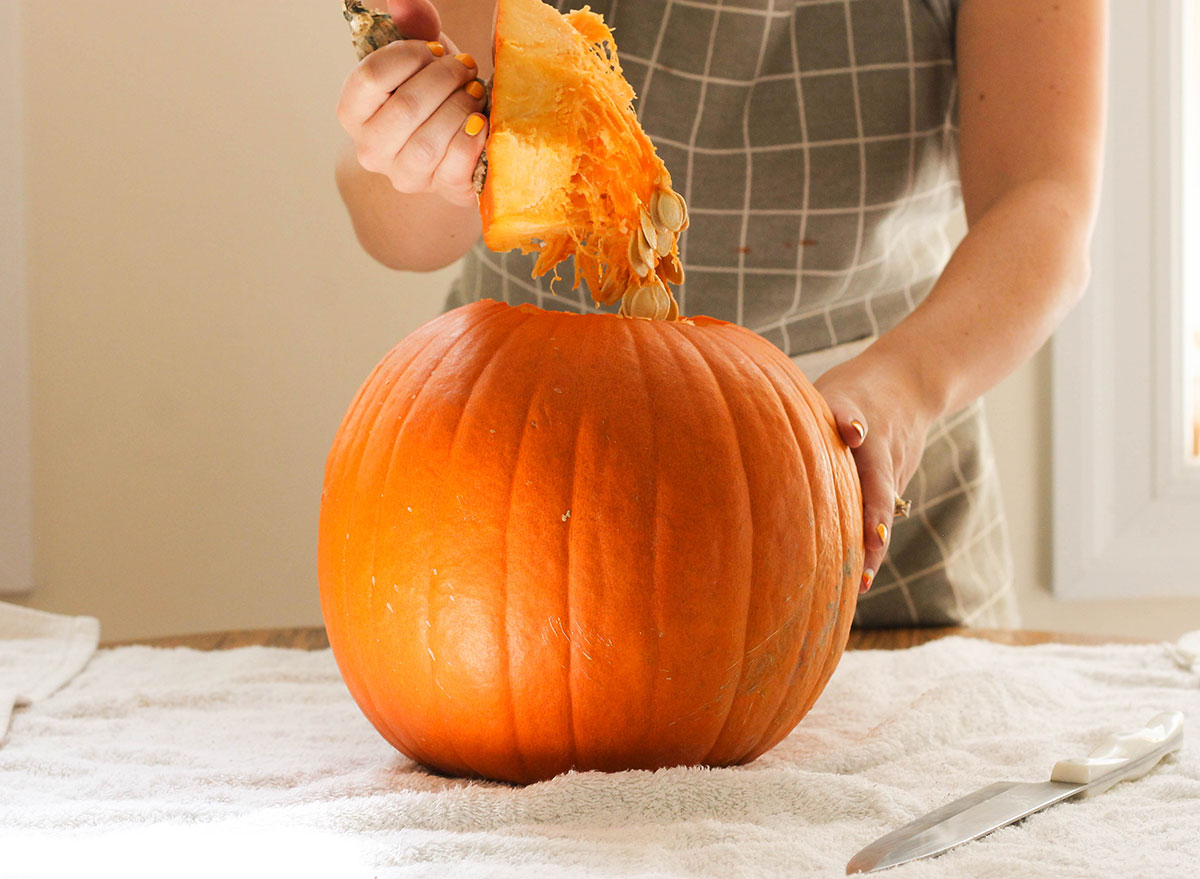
[
  {"x": 39, "y": 652},
  {"x": 255, "y": 762}
]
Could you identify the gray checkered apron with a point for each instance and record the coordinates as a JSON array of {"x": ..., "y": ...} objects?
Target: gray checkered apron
[{"x": 815, "y": 143}]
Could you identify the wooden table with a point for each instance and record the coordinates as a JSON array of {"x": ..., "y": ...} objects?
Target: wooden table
[{"x": 866, "y": 639}]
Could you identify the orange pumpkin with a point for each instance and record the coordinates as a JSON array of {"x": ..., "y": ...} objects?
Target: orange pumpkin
[{"x": 553, "y": 541}]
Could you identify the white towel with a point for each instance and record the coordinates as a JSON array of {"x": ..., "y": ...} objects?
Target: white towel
[
  {"x": 39, "y": 652},
  {"x": 255, "y": 762}
]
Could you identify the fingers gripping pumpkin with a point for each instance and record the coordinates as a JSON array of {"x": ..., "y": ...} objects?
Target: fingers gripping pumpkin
[{"x": 553, "y": 541}]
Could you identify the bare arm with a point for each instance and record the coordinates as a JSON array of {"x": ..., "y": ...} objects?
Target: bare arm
[
  {"x": 1031, "y": 84},
  {"x": 415, "y": 232},
  {"x": 404, "y": 172},
  {"x": 1031, "y": 77}
]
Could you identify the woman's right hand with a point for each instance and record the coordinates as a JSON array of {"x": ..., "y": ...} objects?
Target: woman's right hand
[{"x": 413, "y": 109}]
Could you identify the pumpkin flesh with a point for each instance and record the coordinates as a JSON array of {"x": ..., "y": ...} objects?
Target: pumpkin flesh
[{"x": 570, "y": 169}]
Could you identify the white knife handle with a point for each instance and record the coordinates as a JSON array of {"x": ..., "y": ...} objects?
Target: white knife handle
[{"x": 1140, "y": 751}]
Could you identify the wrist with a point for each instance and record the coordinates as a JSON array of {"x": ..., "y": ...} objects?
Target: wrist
[{"x": 901, "y": 377}]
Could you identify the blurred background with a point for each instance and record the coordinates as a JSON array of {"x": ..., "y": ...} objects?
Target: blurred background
[{"x": 189, "y": 314}]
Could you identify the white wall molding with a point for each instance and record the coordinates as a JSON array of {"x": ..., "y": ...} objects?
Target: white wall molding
[
  {"x": 1126, "y": 506},
  {"x": 16, "y": 485}
]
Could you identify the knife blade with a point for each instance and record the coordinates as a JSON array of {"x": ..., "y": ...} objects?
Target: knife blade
[{"x": 1118, "y": 757}]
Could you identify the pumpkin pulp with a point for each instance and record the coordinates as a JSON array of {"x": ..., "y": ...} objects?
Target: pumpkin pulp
[{"x": 571, "y": 173}]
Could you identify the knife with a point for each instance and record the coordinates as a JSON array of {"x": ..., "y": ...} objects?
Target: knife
[{"x": 1117, "y": 758}]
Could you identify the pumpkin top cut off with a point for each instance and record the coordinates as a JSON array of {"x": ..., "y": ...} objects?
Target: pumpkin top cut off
[{"x": 570, "y": 170}]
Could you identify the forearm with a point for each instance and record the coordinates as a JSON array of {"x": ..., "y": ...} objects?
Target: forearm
[
  {"x": 1031, "y": 122},
  {"x": 419, "y": 232},
  {"x": 1015, "y": 275}
]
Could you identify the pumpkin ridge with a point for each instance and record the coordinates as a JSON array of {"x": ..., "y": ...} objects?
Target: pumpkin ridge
[
  {"x": 512, "y": 487},
  {"x": 572, "y": 560},
  {"x": 656, "y": 592},
  {"x": 355, "y": 415},
  {"x": 350, "y": 455},
  {"x": 844, "y": 599},
  {"x": 833, "y": 652},
  {"x": 779, "y": 718},
  {"x": 511, "y": 337},
  {"x": 469, "y": 334},
  {"x": 725, "y": 343},
  {"x": 740, "y": 664},
  {"x": 839, "y": 630},
  {"x": 475, "y": 334},
  {"x": 735, "y": 341}
]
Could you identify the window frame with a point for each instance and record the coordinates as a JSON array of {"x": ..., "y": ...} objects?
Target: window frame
[{"x": 1126, "y": 504}]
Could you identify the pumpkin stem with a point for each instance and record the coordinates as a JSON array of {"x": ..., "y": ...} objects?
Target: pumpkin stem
[{"x": 370, "y": 30}]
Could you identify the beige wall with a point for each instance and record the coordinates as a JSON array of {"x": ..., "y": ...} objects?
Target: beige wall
[{"x": 201, "y": 316}]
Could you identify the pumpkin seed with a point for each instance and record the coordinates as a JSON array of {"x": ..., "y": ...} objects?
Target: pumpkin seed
[
  {"x": 650, "y": 302},
  {"x": 670, "y": 209},
  {"x": 671, "y": 270},
  {"x": 608, "y": 286},
  {"x": 648, "y": 230},
  {"x": 637, "y": 262},
  {"x": 646, "y": 249},
  {"x": 666, "y": 240}
]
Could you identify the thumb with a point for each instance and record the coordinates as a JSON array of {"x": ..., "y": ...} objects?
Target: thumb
[{"x": 415, "y": 19}]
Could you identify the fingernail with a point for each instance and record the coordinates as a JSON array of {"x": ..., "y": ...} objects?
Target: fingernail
[
  {"x": 437, "y": 49},
  {"x": 881, "y": 530},
  {"x": 465, "y": 59},
  {"x": 859, "y": 429},
  {"x": 474, "y": 124},
  {"x": 474, "y": 88},
  {"x": 868, "y": 576}
]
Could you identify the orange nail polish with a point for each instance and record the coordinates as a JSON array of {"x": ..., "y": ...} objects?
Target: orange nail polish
[
  {"x": 859, "y": 429},
  {"x": 437, "y": 49},
  {"x": 474, "y": 124},
  {"x": 868, "y": 577},
  {"x": 881, "y": 530},
  {"x": 474, "y": 88},
  {"x": 465, "y": 59}
]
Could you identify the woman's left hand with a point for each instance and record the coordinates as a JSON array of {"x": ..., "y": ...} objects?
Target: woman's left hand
[{"x": 883, "y": 417}]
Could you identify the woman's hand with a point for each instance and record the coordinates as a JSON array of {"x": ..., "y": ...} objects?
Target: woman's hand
[
  {"x": 413, "y": 109},
  {"x": 883, "y": 417}
]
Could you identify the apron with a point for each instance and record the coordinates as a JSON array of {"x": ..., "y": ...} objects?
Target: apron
[{"x": 815, "y": 143}]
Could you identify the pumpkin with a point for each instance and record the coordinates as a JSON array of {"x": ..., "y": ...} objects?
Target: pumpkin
[{"x": 553, "y": 541}]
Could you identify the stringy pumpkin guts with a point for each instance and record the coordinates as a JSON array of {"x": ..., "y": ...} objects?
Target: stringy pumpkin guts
[
  {"x": 567, "y": 169},
  {"x": 570, "y": 170}
]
